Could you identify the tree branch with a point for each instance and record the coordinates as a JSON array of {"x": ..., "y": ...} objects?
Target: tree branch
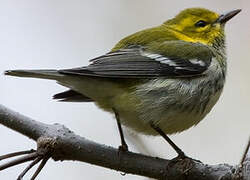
[{"x": 60, "y": 143}]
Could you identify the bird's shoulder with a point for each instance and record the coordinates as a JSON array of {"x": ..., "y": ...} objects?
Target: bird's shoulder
[
  {"x": 145, "y": 37},
  {"x": 163, "y": 40}
]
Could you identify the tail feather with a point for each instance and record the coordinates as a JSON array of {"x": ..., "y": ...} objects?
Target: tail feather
[
  {"x": 42, "y": 74},
  {"x": 71, "y": 96}
]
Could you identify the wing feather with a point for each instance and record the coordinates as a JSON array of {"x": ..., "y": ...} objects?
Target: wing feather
[{"x": 139, "y": 62}]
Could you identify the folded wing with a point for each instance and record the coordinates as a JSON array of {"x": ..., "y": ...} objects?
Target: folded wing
[{"x": 190, "y": 59}]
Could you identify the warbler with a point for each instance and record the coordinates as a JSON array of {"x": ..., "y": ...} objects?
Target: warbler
[{"x": 157, "y": 81}]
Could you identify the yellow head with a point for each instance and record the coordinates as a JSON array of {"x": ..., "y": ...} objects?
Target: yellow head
[{"x": 199, "y": 25}]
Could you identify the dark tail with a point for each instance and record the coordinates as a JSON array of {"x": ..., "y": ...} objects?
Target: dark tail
[{"x": 71, "y": 96}]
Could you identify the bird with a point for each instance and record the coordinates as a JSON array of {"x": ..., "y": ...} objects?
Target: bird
[{"x": 158, "y": 81}]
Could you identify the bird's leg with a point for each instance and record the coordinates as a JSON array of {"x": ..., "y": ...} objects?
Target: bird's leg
[
  {"x": 180, "y": 153},
  {"x": 123, "y": 146}
]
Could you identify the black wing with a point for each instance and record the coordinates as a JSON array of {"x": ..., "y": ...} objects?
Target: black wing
[{"x": 137, "y": 62}]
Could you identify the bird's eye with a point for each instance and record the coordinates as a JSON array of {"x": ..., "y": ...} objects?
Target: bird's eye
[{"x": 201, "y": 23}]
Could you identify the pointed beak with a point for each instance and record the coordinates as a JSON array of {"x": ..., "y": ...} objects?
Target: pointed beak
[{"x": 227, "y": 16}]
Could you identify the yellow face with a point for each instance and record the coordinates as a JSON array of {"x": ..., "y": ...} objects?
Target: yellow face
[{"x": 196, "y": 25}]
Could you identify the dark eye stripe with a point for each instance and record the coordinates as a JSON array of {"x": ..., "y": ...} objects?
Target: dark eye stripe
[{"x": 201, "y": 23}]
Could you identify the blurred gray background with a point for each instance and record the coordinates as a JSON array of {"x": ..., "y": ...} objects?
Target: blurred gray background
[{"x": 63, "y": 34}]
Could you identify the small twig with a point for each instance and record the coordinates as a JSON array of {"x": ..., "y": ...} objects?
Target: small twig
[
  {"x": 20, "y": 160},
  {"x": 40, "y": 167},
  {"x": 245, "y": 163},
  {"x": 42, "y": 153},
  {"x": 20, "y": 177},
  {"x": 245, "y": 153},
  {"x": 6, "y": 156}
]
